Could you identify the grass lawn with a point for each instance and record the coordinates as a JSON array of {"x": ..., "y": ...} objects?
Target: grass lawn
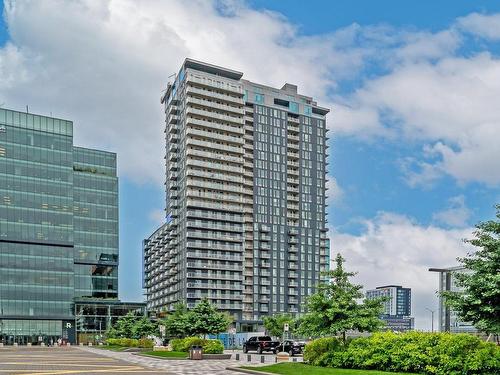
[
  {"x": 301, "y": 369},
  {"x": 166, "y": 355}
]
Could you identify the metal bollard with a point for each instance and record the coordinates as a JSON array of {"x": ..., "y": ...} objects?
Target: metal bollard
[
  {"x": 249, "y": 358},
  {"x": 237, "y": 356},
  {"x": 294, "y": 359},
  {"x": 262, "y": 359}
]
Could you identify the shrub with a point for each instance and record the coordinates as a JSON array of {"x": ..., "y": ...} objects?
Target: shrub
[
  {"x": 428, "y": 353},
  {"x": 318, "y": 351},
  {"x": 123, "y": 342},
  {"x": 213, "y": 347},
  {"x": 209, "y": 346},
  {"x": 145, "y": 343}
]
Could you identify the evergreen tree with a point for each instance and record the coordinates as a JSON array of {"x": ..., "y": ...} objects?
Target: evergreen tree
[{"x": 335, "y": 309}]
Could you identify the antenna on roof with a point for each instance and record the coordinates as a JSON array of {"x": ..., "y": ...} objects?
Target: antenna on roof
[{"x": 27, "y": 109}]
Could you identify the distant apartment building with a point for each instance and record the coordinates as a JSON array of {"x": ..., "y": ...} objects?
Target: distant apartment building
[
  {"x": 58, "y": 232},
  {"x": 245, "y": 186},
  {"x": 448, "y": 319},
  {"x": 397, "y": 307}
]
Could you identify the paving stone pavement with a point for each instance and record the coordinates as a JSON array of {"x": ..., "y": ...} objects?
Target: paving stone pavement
[{"x": 172, "y": 366}]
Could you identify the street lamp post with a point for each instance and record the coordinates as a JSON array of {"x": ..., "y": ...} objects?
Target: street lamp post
[{"x": 432, "y": 318}]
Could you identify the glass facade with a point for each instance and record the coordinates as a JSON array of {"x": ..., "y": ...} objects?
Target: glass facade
[
  {"x": 58, "y": 226},
  {"x": 96, "y": 224}
]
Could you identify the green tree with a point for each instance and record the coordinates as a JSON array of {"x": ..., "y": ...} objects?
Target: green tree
[
  {"x": 132, "y": 326},
  {"x": 274, "y": 324},
  {"x": 177, "y": 323},
  {"x": 123, "y": 326},
  {"x": 144, "y": 327},
  {"x": 335, "y": 309},
  {"x": 479, "y": 302},
  {"x": 205, "y": 319}
]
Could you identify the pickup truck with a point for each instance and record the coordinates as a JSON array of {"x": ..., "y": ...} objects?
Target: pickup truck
[{"x": 260, "y": 344}]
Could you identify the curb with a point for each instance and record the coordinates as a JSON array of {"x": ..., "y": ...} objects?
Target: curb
[
  {"x": 160, "y": 358},
  {"x": 246, "y": 371}
]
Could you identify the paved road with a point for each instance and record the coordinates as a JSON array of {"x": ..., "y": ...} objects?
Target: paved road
[
  {"x": 49, "y": 361},
  {"x": 86, "y": 360}
]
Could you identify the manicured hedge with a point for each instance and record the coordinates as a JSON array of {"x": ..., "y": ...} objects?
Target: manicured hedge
[
  {"x": 133, "y": 343},
  {"x": 209, "y": 346},
  {"x": 418, "y": 352}
]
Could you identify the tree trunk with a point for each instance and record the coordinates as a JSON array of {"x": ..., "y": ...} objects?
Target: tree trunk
[{"x": 343, "y": 337}]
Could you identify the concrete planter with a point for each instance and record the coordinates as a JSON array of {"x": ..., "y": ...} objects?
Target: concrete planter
[{"x": 216, "y": 356}]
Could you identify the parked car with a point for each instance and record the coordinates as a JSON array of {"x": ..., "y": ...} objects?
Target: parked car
[
  {"x": 260, "y": 344},
  {"x": 291, "y": 347}
]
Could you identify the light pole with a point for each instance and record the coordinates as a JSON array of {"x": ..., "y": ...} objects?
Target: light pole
[{"x": 432, "y": 318}]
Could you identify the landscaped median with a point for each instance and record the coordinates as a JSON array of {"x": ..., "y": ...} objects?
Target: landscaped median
[{"x": 302, "y": 369}]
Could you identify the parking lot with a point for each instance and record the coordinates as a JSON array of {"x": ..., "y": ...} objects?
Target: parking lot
[{"x": 45, "y": 361}]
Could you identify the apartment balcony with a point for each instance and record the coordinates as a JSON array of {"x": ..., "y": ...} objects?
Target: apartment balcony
[
  {"x": 293, "y": 257},
  {"x": 292, "y": 206},
  {"x": 214, "y": 156},
  {"x": 214, "y": 145},
  {"x": 293, "y": 283},
  {"x": 210, "y": 276},
  {"x": 223, "y": 177},
  {"x": 264, "y": 299},
  {"x": 248, "y": 137},
  {"x": 293, "y": 249},
  {"x": 265, "y": 264},
  {"x": 293, "y": 172},
  {"x": 265, "y": 228},
  {"x": 292, "y": 189},
  {"x": 209, "y": 285},
  {"x": 265, "y": 282},
  {"x": 237, "y": 120},
  {"x": 216, "y": 295},
  {"x": 264, "y": 255},
  {"x": 248, "y": 118},
  {"x": 248, "y": 272},
  {"x": 215, "y": 84},
  {"x": 225, "y": 198},
  {"x": 292, "y": 153},
  {"x": 292, "y": 181},
  {"x": 292, "y": 266},
  {"x": 293, "y": 146},
  {"x": 293, "y": 198},
  {"x": 292, "y": 215},
  {"x": 293, "y": 274},
  {"x": 214, "y": 136},
  {"x": 265, "y": 273},
  {"x": 213, "y": 244},
  {"x": 212, "y": 256},
  {"x": 293, "y": 120},
  {"x": 231, "y": 99},
  {"x": 264, "y": 246},
  {"x": 293, "y": 137},
  {"x": 239, "y": 110},
  {"x": 214, "y": 266}
]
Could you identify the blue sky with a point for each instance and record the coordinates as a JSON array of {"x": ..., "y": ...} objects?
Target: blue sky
[{"x": 411, "y": 86}]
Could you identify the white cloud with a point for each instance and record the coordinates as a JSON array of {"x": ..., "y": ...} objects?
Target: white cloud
[
  {"x": 334, "y": 191},
  {"x": 449, "y": 105},
  {"x": 456, "y": 215},
  {"x": 483, "y": 25},
  {"x": 395, "y": 250},
  {"x": 103, "y": 64}
]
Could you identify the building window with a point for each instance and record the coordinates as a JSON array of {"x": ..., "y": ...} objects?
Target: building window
[{"x": 259, "y": 98}]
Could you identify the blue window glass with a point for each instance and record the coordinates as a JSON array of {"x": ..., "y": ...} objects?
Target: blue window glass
[
  {"x": 259, "y": 98},
  {"x": 307, "y": 110},
  {"x": 293, "y": 106},
  {"x": 245, "y": 96}
]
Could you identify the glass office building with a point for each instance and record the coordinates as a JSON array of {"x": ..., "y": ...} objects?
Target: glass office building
[
  {"x": 245, "y": 186},
  {"x": 58, "y": 227}
]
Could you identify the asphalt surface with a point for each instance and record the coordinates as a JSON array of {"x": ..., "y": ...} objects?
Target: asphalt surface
[{"x": 64, "y": 360}]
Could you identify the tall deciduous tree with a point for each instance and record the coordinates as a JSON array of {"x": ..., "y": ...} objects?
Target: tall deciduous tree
[
  {"x": 274, "y": 324},
  {"x": 335, "y": 308},
  {"x": 479, "y": 302},
  {"x": 177, "y": 323},
  {"x": 205, "y": 319}
]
